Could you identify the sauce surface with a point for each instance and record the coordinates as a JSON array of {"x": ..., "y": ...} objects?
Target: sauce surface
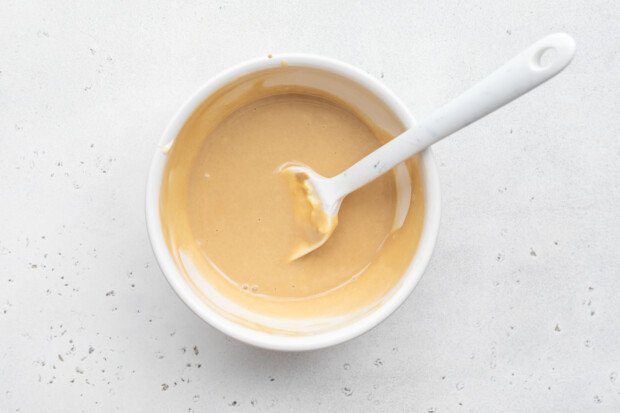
[
  {"x": 241, "y": 209},
  {"x": 229, "y": 215}
]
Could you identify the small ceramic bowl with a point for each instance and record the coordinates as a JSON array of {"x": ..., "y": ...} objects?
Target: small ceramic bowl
[{"x": 376, "y": 102}]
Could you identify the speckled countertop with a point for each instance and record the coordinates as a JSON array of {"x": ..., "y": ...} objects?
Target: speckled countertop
[{"x": 518, "y": 311}]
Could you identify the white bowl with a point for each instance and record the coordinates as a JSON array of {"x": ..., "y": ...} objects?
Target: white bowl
[{"x": 372, "y": 91}]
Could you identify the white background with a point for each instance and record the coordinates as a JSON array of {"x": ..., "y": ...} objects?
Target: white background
[{"x": 518, "y": 311}]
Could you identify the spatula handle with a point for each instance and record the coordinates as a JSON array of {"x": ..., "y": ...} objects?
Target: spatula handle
[{"x": 529, "y": 69}]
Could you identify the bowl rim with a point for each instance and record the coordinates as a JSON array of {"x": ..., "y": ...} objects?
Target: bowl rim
[{"x": 246, "y": 334}]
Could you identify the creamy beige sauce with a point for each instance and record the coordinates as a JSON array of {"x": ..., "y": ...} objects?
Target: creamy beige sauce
[{"x": 225, "y": 207}]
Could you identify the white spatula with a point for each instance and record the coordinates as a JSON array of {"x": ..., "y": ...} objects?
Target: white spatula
[{"x": 529, "y": 69}]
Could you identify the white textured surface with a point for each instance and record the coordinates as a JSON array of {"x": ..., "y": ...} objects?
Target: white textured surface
[{"x": 518, "y": 311}]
